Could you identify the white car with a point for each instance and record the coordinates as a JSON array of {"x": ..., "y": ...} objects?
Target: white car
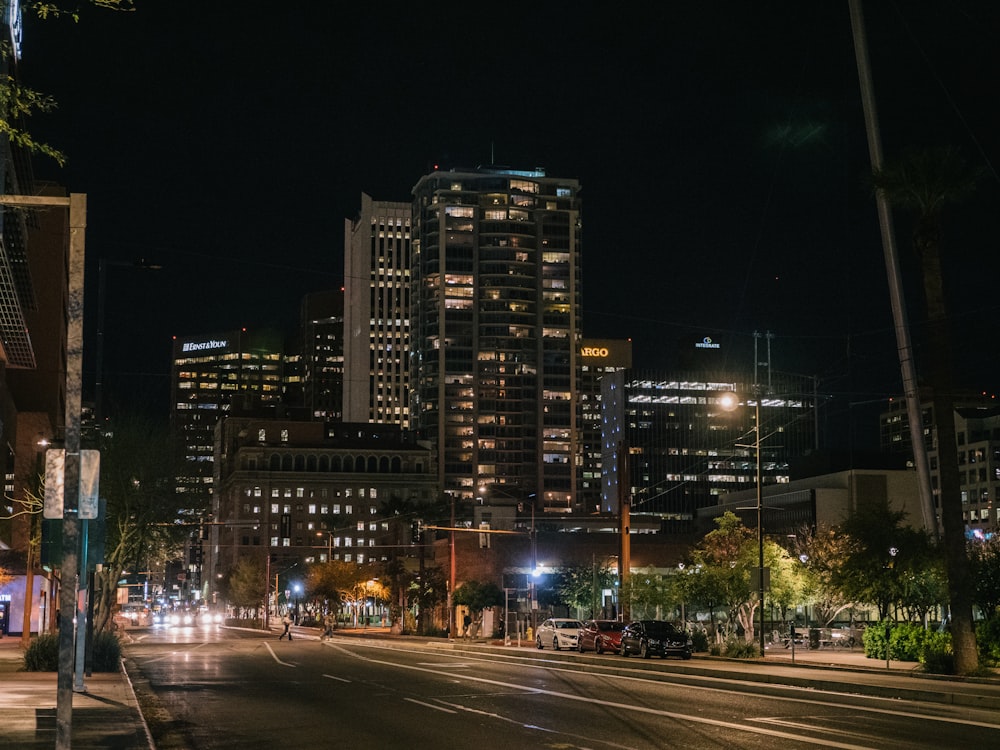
[{"x": 558, "y": 632}]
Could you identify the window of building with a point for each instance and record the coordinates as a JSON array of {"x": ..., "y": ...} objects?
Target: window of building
[
  {"x": 284, "y": 436},
  {"x": 274, "y": 509},
  {"x": 262, "y": 435}
]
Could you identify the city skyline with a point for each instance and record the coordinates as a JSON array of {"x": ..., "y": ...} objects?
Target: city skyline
[{"x": 721, "y": 154}]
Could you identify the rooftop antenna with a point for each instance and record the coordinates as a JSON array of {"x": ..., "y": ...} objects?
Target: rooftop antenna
[{"x": 492, "y": 159}]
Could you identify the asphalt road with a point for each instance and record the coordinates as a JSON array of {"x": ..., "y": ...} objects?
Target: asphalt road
[{"x": 238, "y": 689}]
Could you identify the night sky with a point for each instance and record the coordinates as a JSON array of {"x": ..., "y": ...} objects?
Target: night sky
[{"x": 721, "y": 148}]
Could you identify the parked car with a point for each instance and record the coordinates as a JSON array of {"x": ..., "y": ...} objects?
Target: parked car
[
  {"x": 559, "y": 632},
  {"x": 655, "y": 637},
  {"x": 600, "y": 636}
]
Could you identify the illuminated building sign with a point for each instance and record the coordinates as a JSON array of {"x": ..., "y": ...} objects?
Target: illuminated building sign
[
  {"x": 200, "y": 346},
  {"x": 706, "y": 343},
  {"x": 606, "y": 352}
]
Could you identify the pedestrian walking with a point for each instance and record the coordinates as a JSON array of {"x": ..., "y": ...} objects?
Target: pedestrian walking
[
  {"x": 287, "y": 622},
  {"x": 327, "y": 627}
]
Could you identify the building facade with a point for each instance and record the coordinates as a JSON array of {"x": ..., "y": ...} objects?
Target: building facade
[
  {"x": 977, "y": 430},
  {"x": 377, "y": 247},
  {"x": 297, "y": 492},
  {"x": 210, "y": 375},
  {"x": 597, "y": 357},
  {"x": 671, "y": 447},
  {"x": 313, "y": 377},
  {"x": 496, "y": 321}
]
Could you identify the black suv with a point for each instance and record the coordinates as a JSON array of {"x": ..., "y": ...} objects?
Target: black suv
[{"x": 649, "y": 637}]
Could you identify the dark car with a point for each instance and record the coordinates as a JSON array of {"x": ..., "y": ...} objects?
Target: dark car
[
  {"x": 655, "y": 637},
  {"x": 600, "y": 636}
]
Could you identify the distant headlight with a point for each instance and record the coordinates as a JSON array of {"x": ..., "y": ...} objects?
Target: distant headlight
[
  {"x": 217, "y": 618},
  {"x": 174, "y": 619},
  {"x": 188, "y": 619}
]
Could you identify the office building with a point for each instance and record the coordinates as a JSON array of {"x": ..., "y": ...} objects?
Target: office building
[
  {"x": 377, "y": 313},
  {"x": 496, "y": 315},
  {"x": 296, "y": 492},
  {"x": 597, "y": 357},
  {"x": 672, "y": 448},
  {"x": 313, "y": 378},
  {"x": 212, "y": 374},
  {"x": 977, "y": 430}
]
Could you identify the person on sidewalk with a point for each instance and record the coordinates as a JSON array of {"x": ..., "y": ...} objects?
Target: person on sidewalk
[{"x": 287, "y": 622}]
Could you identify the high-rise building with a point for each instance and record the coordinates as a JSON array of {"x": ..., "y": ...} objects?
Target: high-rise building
[
  {"x": 211, "y": 375},
  {"x": 977, "y": 430},
  {"x": 496, "y": 279},
  {"x": 673, "y": 447},
  {"x": 314, "y": 358},
  {"x": 377, "y": 313},
  {"x": 597, "y": 357}
]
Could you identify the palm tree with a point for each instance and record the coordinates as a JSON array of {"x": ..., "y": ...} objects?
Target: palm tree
[{"x": 925, "y": 182}]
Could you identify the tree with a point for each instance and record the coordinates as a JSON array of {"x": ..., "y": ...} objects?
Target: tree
[
  {"x": 926, "y": 181},
  {"x": 245, "y": 585},
  {"x": 428, "y": 589},
  {"x": 478, "y": 596},
  {"x": 726, "y": 556},
  {"x": 821, "y": 553},
  {"x": 577, "y": 587},
  {"x": 649, "y": 594},
  {"x": 142, "y": 517}
]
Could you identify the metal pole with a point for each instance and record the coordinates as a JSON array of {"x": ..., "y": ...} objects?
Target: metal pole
[
  {"x": 71, "y": 480},
  {"x": 904, "y": 349},
  {"x": 760, "y": 525}
]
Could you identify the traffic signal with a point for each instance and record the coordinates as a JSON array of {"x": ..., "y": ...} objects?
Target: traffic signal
[{"x": 417, "y": 531}]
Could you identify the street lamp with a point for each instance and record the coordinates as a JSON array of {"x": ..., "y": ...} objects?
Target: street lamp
[
  {"x": 329, "y": 544},
  {"x": 729, "y": 402}
]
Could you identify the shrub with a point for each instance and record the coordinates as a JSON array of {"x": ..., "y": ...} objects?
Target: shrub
[
  {"x": 106, "y": 651},
  {"x": 700, "y": 640},
  {"x": 906, "y": 641},
  {"x": 42, "y": 654},
  {"x": 936, "y": 655},
  {"x": 988, "y": 640},
  {"x": 738, "y": 648}
]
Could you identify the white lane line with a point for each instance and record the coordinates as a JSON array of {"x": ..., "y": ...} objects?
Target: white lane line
[
  {"x": 732, "y": 685},
  {"x": 334, "y": 677},
  {"x": 275, "y": 656},
  {"x": 431, "y": 705},
  {"x": 606, "y": 704}
]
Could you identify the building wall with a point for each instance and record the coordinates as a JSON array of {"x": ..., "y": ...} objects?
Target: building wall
[
  {"x": 377, "y": 313},
  {"x": 300, "y": 491},
  {"x": 681, "y": 448},
  {"x": 496, "y": 322},
  {"x": 597, "y": 357}
]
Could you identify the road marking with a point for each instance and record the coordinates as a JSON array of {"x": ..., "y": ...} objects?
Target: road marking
[
  {"x": 275, "y": 656},
  {"x": 609, "y": 705},
  {"x": 334, "y": 677},
  {"x": 431, "y": 705}
]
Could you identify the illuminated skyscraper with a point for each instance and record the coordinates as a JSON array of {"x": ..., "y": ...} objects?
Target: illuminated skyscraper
[
  {"x": 377, "y": 313},
  {"x": 211, "y": 375},
  {"x": 495, "y": 328}
]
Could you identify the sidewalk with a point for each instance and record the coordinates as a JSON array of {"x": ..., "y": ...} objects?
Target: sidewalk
[{"x": 105, "y": 717}]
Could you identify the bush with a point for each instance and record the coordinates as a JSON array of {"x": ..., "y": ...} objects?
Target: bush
[
  {"x": 738, "y": 648},
  {"x": 700, "y": 640},
  {"x": 988, "y": 640},
  {"x": 936, "y": 655},
  {"x": 106, "y": 652},
  {"x": 42, "y": 654}
]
